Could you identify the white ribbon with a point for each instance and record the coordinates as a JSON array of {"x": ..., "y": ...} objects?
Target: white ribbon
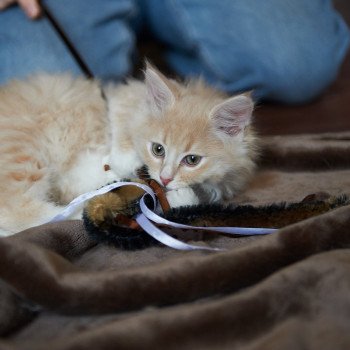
[{"x": 147, "y": 216}]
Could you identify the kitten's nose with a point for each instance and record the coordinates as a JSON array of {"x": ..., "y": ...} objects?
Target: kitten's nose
[{"x": 165, "y": 181}]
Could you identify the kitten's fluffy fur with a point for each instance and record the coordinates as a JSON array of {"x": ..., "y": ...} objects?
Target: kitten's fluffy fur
[{"x": 56, "y": 132}]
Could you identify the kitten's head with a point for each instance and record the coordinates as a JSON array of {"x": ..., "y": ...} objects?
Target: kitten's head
[{"x": 193, "y": 134}]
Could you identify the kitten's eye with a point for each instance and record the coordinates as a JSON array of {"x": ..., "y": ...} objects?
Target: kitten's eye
[
  {"x": 192, "y": 160},
  {"x": 158, "y": 150}
]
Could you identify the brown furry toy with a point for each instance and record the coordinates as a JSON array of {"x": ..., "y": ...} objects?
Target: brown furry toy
[{"x": 110, "y": 218}]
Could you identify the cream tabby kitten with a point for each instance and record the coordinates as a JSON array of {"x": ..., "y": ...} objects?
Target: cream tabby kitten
[{"x": 57, "y": 132}]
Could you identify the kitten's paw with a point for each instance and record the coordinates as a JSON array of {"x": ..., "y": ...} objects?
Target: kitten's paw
[{"x": 182, "y": 197}]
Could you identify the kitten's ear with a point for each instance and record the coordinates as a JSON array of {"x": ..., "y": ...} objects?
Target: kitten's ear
[
  {"x": 233, "y": 115},
  {"x": 159, "y": 95}
]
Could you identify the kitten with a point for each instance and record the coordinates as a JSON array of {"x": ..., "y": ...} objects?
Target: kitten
[{"x": 57, "y": 132}]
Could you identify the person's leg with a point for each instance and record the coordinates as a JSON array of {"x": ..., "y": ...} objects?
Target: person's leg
[
  {"x": 287, "y": 51},
  {"x": 100, "y": 31},
  {"x": 27, "y": 47}
]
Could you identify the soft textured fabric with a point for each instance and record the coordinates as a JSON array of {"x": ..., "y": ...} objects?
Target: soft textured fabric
[
  {"x": 287, "y": 51},
  {"x": 28, "y": 47},
  {"x": 288, "y": 290}
]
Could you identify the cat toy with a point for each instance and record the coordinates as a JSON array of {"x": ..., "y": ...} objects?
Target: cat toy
[{"x": 124, "y": 213}]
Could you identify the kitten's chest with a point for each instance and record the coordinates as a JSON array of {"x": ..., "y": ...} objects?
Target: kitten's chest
[{"x": 86, "y": 174}]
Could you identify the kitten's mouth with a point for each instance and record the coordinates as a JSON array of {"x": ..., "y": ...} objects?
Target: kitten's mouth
[
  {"x": 172, "y": 187},
  {"x": 166, "y": 188}
]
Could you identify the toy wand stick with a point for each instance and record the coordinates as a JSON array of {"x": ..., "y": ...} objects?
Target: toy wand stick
[{"x": 74, "y": 52}]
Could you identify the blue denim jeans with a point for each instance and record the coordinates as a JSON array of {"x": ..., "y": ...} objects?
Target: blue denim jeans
[{"x": 288, "y": 51}]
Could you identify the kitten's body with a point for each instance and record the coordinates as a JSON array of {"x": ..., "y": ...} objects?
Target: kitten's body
[{"x": 56, "y": 134}]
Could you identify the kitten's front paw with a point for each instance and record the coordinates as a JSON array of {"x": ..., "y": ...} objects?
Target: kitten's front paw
[{"x": 182, "y": 197}]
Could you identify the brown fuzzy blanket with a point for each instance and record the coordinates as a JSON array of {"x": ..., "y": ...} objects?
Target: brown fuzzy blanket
[{"x": 290, "y": 290}]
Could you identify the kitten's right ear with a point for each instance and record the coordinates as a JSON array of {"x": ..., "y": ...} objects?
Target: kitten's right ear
[
  {"x": 233, "y": 115},
  {"x": 159, "y": 95}
]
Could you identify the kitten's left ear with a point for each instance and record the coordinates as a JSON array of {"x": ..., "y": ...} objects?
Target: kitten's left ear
[
  {"x": 160, "y": 97},
  {"x": 233, "y": 115}
]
